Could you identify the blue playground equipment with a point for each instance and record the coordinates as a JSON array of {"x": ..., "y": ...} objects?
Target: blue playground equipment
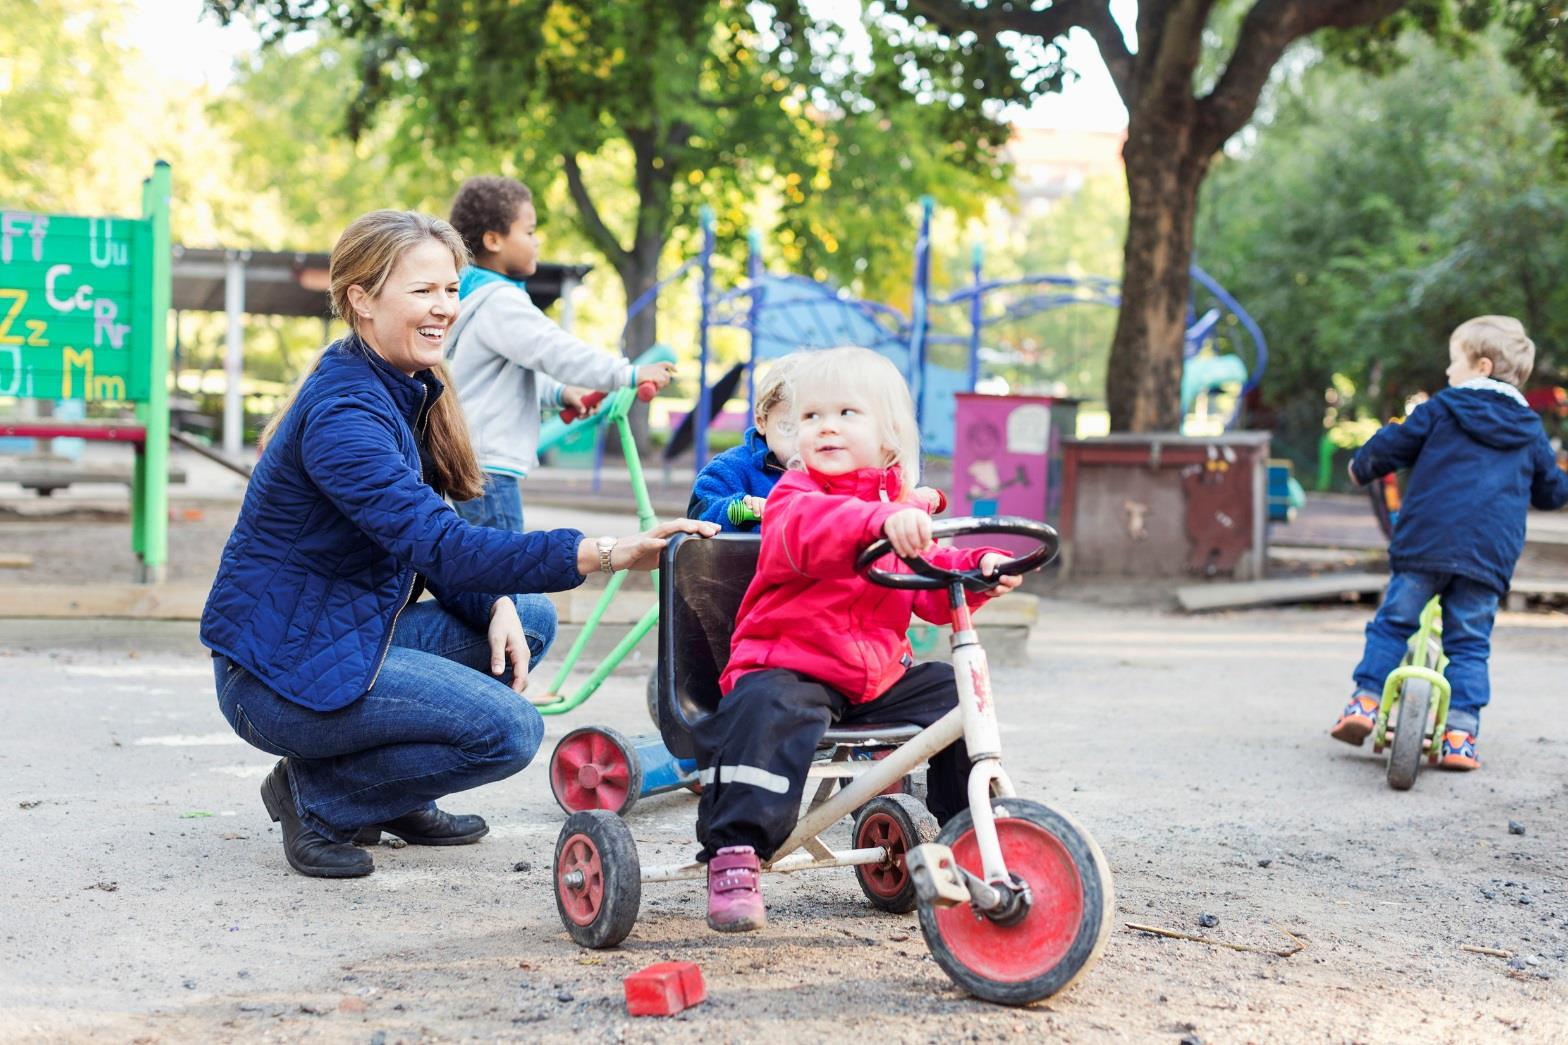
[{"x": 784, "y": 313}]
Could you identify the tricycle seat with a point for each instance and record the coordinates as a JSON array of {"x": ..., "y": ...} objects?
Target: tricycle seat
[{"x": 701, "y": 584}]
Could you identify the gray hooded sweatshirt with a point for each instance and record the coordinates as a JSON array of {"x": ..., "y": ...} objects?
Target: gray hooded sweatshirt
[{"x": 503, "y": 353}]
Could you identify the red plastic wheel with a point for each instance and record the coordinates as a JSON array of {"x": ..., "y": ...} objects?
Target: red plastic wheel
[
  {"x": 888, "y": 879},
  {"x": 598, "y": 887},
  {"x": 595, "y": 768},
  {"x": 896, "y": 823},
  {"x": 582, "y": 899},
  {"x": 1062, "y": 932}
]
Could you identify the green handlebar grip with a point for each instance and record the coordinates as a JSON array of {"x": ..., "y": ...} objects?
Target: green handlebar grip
[{"x": 740, "y": 514}]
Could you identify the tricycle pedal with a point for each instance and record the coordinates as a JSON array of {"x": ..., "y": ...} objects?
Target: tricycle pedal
[{"x": 936, "y": 876}]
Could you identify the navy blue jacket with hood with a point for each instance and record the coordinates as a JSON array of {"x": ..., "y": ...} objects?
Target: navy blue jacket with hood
[
  {"x": 335, "y": 525},
  {"x": 748, "y": 469},
  {"x": 1478, "y": 460}
]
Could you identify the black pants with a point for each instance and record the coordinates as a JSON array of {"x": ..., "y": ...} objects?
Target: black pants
[{"x": 755, "y": 750}]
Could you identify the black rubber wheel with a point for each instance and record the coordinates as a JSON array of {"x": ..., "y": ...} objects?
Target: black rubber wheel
[
  {"x": 899, "y": 823},
  {"x": 653, "y": 697},
  {"x": 1404, "y": 757},
  {"x": 595, "y": 767},
  {"x": 1065, "y": 928},
  {"x": 598, "y": 879}
]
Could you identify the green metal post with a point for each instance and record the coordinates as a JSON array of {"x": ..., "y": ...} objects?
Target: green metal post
[{"x": 150, "y": 491}]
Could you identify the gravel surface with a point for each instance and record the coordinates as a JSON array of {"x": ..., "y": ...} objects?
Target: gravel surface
[{"x": 147, "y": 899}]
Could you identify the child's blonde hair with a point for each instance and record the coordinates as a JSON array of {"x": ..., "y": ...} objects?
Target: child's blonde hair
[
  {"x": 774, "y": 389},
  {"x": 1502, "y": 340},
  {"x": 876, "y": 378}
]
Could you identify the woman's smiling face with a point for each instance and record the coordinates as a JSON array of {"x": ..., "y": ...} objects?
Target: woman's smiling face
[{"x": 408, "y": 321}]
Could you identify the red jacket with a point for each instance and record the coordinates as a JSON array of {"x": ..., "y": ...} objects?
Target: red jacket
[{"x": 808, "y": 610}]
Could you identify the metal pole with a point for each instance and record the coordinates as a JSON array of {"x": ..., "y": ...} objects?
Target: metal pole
[
  {"x": 234, "y": 354},
  {"x": 917, "y": 318},
  {"x": 753, "y": 313},
  {"x": 701, "y": 434},
  {"x": 568, "y": 307},
  {"x": 151, "y": 490},
  {"x": 976, "y": 316}
]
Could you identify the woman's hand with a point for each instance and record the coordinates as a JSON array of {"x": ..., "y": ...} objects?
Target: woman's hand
[
  {"x": 988, "y": 564},
  {"x": 909, "y": 531},
  {"x": 640, "y": 551},
  {"x": 658, "y": 373},
  {"x": 507, "y": 642}
]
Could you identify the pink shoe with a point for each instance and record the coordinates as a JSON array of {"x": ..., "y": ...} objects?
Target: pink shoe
[{"x": 734, "y": 890}]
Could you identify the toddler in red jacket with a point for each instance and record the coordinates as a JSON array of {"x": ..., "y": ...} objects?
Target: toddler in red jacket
[{"x": 815, "y": 642}]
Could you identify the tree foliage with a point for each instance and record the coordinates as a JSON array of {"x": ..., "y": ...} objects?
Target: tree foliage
[
  {"x": 1372, "y": 216},
  {"x": 1191, "y": 74},
  {"x": 691, "y": 104}
]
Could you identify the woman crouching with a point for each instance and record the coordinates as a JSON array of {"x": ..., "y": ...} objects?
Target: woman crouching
[{"x": 378, "y": 703}]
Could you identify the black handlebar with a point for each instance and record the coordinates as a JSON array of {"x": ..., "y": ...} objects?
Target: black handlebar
[{"x": 928, "y": 576}]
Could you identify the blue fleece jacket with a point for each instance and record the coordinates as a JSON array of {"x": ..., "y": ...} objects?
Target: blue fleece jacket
[
  {"x": 1478, "y": 460},
  {"x": 748, "y": 469}
]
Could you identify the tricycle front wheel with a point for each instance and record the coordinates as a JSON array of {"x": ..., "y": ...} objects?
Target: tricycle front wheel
[{"x": 1067, "y": 923}]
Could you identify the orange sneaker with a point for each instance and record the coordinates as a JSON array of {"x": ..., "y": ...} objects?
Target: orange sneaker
[
  {"x": 1357, "y": 720},
  {"x": 1458, "y": 751}
]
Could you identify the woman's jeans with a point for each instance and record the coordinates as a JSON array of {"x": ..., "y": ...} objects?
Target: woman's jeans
[
  {"x": 500, "y": 507},
  {"x": 1468, "y": 610},
  {"x": 435, "y": 721}
]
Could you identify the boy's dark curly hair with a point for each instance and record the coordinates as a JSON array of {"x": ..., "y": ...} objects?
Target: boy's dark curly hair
[{"x": 487, "y": 204}]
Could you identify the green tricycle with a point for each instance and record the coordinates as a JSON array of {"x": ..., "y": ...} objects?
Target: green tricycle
[{"x": 1408, "y": 725}]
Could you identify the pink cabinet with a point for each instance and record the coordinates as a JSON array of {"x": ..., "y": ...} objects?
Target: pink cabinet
[{"x": 1007, "y": 457}]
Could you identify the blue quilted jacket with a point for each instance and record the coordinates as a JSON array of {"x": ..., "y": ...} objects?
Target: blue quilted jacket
[{"x": 336, "y": 523}]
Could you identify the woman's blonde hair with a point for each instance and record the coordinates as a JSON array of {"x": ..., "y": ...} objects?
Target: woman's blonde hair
[
  {"x": 364, "y": 256},
  {"x": 875, "y": 378}
]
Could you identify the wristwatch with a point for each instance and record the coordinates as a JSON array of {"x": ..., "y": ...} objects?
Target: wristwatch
[{"x": 605, "y": 545}]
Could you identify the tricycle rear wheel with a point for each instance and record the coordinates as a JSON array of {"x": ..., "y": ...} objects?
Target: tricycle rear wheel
[
  {"x": 598, "y": 878},
  {"x": 1404, "y": 757}
]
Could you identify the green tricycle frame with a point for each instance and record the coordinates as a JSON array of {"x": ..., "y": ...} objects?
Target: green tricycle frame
[
  {"x": 553, "y": 701},
  {"x": 1406, "y": 723}
]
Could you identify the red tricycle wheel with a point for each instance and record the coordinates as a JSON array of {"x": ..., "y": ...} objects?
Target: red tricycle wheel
[
  {"x": 1066, "y": 925},
  {"x": 580, "y": 903},
  {"x": 595, "y": 767},
  {"x": 598, "y": 880},
  {"x": 896, "y": 823}
]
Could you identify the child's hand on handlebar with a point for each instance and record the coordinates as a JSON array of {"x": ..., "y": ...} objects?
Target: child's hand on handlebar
[
  {"x": 932, "y": 497},
  {"x": 577, "y": 400},
  {"x": 909, "y": 531},
  {"x": 656, "y": 374},
  {"x": 754, "y": 505},
  {"x": 988, "y": 565}
]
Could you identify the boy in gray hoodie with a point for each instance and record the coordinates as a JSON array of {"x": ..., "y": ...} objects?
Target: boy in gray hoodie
[{"x": 509, "y": 361}]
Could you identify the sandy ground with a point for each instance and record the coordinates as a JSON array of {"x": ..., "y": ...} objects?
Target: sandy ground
[{"x": 147, "y": 899}]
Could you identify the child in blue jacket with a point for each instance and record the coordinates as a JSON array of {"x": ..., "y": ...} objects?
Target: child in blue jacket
[
  {"x": 732, "y": 488},
  {"x": 1478, "y": 460}
]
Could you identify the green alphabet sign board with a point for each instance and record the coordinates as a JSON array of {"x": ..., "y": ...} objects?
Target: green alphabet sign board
[{"x": 84, "y": 305}]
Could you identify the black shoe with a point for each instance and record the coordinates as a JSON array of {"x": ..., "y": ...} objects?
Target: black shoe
[
  {"x": 367, "y": 836},
  {"x": 430, "y": 827},
  {"x": 308, "y": 853}
]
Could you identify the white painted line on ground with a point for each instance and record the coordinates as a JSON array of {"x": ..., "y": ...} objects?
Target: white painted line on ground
[{"x": 188, "y": 740}]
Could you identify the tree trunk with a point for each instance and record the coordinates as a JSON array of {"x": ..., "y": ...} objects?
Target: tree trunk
[
  {"x": 1143, "y": 378},
  {"x": 638, "y": 274}
]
